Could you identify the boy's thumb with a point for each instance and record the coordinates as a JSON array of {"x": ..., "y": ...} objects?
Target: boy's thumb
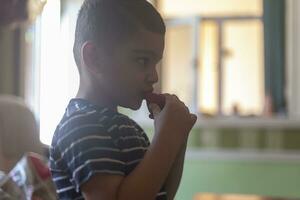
[
  {"x": 154, "y": 108},
  {"x": 193, "y": 118}
]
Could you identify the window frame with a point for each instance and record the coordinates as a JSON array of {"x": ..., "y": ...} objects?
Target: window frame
[{"x": 195, "y": 22}]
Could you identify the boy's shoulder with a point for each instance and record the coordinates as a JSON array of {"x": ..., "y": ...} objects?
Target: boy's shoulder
[
  {"x": 83, "y": 112},
  {"x": 82, "y": 117}
]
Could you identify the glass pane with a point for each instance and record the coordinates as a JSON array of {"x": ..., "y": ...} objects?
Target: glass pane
[
  {"x": 176, "y": 69},
  {"x": 243, "y": 72},
  {"x": 59, "y": 78},
  {"x": 49, "y": 89},
  {"x": 175, "y": 8},
  {"x": 208, "y": 68}
]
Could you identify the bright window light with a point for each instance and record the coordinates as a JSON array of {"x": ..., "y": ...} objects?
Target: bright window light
[{"x": 58, "y": 75}]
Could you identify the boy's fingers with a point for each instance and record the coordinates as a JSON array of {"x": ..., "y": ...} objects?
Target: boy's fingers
[{"x": 154, "y": 108}]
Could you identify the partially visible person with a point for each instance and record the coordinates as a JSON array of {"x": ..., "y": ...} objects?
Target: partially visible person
[{"x": 98, "y": 153}]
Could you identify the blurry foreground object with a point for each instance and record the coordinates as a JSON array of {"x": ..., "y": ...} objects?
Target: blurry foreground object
[
  {"x": 30, "y": 179},
  {"x": 16, "y": 12},
  {"x": 18, "y": 132}
]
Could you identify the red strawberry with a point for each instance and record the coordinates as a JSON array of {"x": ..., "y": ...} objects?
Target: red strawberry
[{"x": 158, "y": 99}]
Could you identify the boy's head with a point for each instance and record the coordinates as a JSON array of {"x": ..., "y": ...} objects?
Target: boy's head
[
  {"x": 117, "y": 46},
  {"x": 111, "y": 22}
]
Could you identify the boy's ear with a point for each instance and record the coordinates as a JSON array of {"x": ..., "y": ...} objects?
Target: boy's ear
[{"x": 91, "y": 57}]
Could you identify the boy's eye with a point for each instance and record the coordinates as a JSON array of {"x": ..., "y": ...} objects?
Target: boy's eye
[{"x": 143, "y": 61}]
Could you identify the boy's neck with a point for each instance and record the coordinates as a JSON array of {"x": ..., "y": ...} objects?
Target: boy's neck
[{"x": 93, "y": 97}]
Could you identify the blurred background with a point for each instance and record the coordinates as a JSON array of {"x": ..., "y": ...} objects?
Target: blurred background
[{"x": 235, "y": 63}]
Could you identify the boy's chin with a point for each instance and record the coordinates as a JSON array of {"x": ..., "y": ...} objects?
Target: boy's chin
[{"x": 135, "y": 106}]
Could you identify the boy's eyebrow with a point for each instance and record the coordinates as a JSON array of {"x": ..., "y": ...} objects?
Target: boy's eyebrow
[{"x": 149, "y": 52}]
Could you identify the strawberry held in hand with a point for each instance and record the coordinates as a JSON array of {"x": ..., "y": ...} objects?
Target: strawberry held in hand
[{"x": 158, "y": 99}]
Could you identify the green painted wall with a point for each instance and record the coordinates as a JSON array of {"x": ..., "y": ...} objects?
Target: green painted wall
[
  {"x": 229, "y": 138},
  {"x": 270, "y": 178},
  {"x": 279, "y": 179}
]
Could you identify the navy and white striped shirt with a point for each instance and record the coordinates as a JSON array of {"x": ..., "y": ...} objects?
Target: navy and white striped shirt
[{"x": 92, "y": 139}]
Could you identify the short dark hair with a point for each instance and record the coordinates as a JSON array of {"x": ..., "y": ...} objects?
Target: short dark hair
[{"x": 106, "y": 22}]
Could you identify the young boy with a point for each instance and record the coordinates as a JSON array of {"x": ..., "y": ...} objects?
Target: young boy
[{"x": 98, "y": 153}]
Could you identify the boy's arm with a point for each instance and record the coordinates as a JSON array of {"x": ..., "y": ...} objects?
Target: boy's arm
[
  {"x": 174, "y": 177},
  {"x": 145, "y": 181}
]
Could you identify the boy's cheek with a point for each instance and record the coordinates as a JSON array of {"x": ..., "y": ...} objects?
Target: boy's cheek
[{"x": 140, "y": 77}]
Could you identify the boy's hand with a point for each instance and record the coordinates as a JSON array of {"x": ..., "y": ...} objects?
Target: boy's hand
[{"x": 175, "y": 118}]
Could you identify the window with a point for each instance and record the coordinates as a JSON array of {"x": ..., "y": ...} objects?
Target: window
[
  {"x": 56, "y": 76},
  {"x": 178, "y": 8},
  {"x": 214, "y": 56}
]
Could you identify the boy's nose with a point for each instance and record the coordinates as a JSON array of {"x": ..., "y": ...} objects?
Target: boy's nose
[{"x": 152, "y": 76}]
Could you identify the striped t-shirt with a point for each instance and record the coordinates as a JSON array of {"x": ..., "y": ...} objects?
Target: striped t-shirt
[{"x": 92, "y": 139}]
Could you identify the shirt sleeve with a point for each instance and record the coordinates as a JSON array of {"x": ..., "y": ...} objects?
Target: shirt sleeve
[{"x": 89, "y": 149}]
